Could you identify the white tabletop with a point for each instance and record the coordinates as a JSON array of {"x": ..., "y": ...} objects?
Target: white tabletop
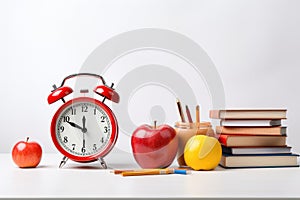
[{"x": 88, "y": 180}]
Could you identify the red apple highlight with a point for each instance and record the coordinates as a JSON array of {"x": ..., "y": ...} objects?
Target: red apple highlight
[
  {"x": 27, "y": 154},
  {"x": 154, "y": 147}
]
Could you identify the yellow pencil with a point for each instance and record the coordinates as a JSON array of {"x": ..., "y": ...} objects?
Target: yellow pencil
[
  {"x": 154, "y": 172},
  {"x": 120, "y": 171}
]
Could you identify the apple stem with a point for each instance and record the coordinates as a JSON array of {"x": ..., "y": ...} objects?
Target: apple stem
[
  {"x": 27, "y": 139},
  {"x": 155, "y": 123}
]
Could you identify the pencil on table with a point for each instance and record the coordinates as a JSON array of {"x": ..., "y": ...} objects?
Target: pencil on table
[
  {"x": 188, "y": 114},
  {"x": 120, "y": 171},
  {"x": 154, "y": 172},
  {"x": 180, "y": 111}
]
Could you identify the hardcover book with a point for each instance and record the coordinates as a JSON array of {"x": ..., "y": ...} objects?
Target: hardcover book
[
  {"x": 277, "y": 130},
  {"x": 250, "y": 122},
  {"x": 266, "y": 160},
  {"x": 255, "y": 150},
  {"x": 248, "y": 114},
  {"x": 255, "y": 141}
]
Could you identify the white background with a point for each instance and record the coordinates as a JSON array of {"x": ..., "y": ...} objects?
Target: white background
[{"x": 255, "y": 46}]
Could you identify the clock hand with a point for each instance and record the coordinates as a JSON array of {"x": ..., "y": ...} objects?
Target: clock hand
[
  {"x": 83, "y": 145},
  {"x": 84, "y": 130},
  {"x": 75, "y": 125}
]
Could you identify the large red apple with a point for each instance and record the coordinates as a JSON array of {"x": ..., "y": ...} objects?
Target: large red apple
[
  {"x": 154, "y": 146},
  {"x": 27, "y": 154}
]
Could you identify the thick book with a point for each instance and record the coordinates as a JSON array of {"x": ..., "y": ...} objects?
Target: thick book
[
  {"x": 256, "y": 150},
  {"x": 276, "y": 130},
  {"x": 266, "y": 160},
  {"x": 250, "y": 122},
  {"x": 254, "y": 141},
  {"x": 248, "y": 114}
]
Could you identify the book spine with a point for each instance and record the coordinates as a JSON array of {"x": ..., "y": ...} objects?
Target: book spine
[
  {"x": 254, "y": 141},
  {"x": 251, "y": 130},
  {"x": 250, "y": 123}
]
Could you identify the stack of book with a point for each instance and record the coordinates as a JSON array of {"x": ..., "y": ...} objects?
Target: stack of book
[{"x": 253, "y": 138}]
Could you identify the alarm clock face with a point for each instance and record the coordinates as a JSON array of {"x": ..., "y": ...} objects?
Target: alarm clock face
[{"x": 84, "y": 129}]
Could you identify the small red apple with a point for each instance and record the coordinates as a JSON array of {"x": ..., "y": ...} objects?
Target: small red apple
[
  {"x": 27, "y": 154},
  {"x": 154, "y": 147}
]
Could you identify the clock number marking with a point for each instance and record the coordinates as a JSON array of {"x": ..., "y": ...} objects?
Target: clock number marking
[
  {"x": 83, "y": 150},
  {"x": 73, "y": 145},
  {"x": 102, "y": 118},
  {"x": 66, "y": 118},
  {"x": 84, "y": 108},
  {"x": 61, "y": 128},
  {"x": 95, "y": 147},
  {"x": 105, "y": 129},
  {"x": 73, "y": 111},
  {"x": 65, "y": 139}
]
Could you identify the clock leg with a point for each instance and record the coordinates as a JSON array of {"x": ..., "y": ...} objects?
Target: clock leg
[
  {"x": 63, "y": 162},
  {"x": 102, "y": 162}
]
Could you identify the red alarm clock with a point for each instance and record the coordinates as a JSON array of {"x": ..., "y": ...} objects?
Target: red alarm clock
[{"x": 84, "y": 129}]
